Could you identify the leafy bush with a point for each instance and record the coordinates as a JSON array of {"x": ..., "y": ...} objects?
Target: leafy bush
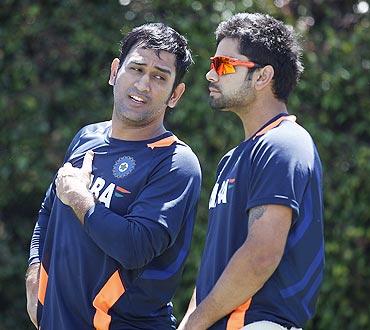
[{"x": 55, "y": 60}]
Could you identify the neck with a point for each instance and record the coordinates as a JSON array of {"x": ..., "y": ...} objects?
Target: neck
[
  {"x": 259, "y": 113},
  {"x": 127, "y": 131}
]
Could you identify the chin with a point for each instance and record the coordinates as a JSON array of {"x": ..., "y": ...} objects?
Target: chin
[
  {"x": 132, "y": 117},
  {"x": 215, "y": 105}
]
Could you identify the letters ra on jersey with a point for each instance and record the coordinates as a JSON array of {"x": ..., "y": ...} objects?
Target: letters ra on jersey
[
  {"x": 219, "y": 193},
  {"x": 104, "y": 191},
  {"x": 115, "y": 180}
]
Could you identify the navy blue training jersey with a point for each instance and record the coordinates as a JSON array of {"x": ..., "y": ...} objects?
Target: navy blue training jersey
[
  {"x": 278, "y": 165},
  {"x": 121, "y": 268}
]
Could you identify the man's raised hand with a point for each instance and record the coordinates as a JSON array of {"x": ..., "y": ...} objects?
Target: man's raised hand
[{"x": 72, "y": 185}]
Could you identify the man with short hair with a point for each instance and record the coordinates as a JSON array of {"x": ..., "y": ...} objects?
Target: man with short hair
[
  {"x": 263, "y": 261},
  {"x": 115, "y": 227}
]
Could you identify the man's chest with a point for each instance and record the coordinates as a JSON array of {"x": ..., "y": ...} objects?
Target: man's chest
[
  {"x": 231, "y": 187},
  {"x": 118, "y": 177}
]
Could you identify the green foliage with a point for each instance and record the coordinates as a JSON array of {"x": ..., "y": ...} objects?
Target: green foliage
[{"x": 54, "y": 62}]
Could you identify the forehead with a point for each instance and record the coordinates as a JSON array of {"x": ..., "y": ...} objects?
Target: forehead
[
  {"x": 229, "y": 47},
  {"x": 151, "y": 57}
]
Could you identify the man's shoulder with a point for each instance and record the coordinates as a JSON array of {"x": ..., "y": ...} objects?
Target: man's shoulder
[
  {"x": 288, "y": 136},
  {"x": 179, "y": 157},
  {"x": 289, "y": 142},
  {"x": 185, "y": 157},
  {"x": 99, "y": 127},
  {"x": 171, "y": 145},
  {"x": 184, "y": 149},
  {"x": 86, "y": 134}
]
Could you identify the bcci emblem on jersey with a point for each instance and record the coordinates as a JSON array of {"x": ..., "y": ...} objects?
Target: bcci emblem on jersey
[{"x": 123, "y": 166}]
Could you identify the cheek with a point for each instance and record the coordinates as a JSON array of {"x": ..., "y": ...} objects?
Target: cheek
[
  {"x": 124, "y": 79},
  {"x": 119, "y": 89},
  {"x": 161, "y": 93},
  {"x": 235, "y": 81}
]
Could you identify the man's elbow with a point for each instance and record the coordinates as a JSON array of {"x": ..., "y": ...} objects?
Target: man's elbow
[
  {"x": 143, "y": 246},
  {"x": 265, "y": 264},
  {"x": 131, "y": 262},
  {"x": 140, "y": 253}
]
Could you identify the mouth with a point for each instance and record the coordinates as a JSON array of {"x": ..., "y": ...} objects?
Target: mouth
[
  {"x": 213, "y": 89},
  {"x": 137, "y": 99}
]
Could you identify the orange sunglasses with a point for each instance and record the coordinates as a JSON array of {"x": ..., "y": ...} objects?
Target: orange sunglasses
[{"x": 225, "y": 65}]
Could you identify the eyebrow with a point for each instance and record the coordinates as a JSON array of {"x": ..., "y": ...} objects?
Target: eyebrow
[{"x": 167, "y": 71}]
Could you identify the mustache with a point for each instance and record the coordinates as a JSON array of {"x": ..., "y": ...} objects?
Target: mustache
[{"x": 213, "y": 86}]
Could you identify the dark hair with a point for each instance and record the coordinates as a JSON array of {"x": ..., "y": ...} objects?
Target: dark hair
[
  {"x": 159, "y": 37},
  {"x": 266, "y": 40}
]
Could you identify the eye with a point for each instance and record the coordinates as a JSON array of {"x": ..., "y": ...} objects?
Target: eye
[
  {"x": 135, "y": 69},
  {"x": 159, "y": 77}
]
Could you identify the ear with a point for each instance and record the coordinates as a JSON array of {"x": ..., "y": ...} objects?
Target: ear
[
  {"x": 263, "y": 77},
  {"x": 113, "y": 71},
  {"x": 176, "y": 95}
]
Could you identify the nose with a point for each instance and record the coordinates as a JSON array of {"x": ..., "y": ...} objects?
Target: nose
[
  {"x": 143, "y": 83},
  {"x": 212, "y": 75}
]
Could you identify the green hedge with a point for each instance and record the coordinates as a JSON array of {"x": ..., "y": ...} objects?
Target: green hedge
[{"x": 54, "y": 62}]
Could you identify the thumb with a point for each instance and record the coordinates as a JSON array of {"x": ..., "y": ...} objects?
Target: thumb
[{"x": 87, "y": 162}]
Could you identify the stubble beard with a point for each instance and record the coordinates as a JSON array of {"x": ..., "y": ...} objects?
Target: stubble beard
[
  {"x": 132, "y": 118},
  {"x": 240, "y": 98}
]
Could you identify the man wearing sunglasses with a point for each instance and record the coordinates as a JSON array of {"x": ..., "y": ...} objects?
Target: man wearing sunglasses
[{"x": 263, "y": 261}]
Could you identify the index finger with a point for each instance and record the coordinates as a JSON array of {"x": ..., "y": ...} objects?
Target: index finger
[{"x": 87, "y": 162}]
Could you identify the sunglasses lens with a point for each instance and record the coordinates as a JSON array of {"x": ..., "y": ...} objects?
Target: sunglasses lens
[
  {"x": 215, "y": 64},
  {"x": 228, "y": 68},
  {"x": 222, "y": 65}
]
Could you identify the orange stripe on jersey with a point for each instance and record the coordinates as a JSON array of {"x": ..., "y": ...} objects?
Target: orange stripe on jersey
[
  {"x": 123, "y": 190},
  {"x": 105, "y": 299},
  {"x": 43, "y": 283},
  {"x": 166, "y": 142},
  {"x": 274, "y": 124},
  {"x": 236, "y": 319}
]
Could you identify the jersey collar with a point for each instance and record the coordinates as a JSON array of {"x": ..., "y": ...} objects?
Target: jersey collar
[{"x": 274, "y": 123}]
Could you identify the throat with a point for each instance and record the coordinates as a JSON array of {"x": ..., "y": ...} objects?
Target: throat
[{"x": 132, "y": 131}]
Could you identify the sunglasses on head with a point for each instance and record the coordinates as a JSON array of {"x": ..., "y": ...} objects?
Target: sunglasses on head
[{"x": 225, "y": 65}]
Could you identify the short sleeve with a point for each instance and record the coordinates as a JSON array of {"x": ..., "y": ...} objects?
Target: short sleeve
[{"x": 280, "y": 171}]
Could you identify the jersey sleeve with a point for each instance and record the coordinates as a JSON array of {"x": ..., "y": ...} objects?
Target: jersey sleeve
[
  {"x": 154, "y": 219},
  {"x": 38, "y": 236},
  {"x": 280, "y": 172},
  {"x": 39, "y": 231}
]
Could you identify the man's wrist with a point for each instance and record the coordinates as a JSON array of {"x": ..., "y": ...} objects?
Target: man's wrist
[
  {"x": 82, "y": 203},
  {"x": 33, "y": 272},
  {"x": 197, "y": 321}
]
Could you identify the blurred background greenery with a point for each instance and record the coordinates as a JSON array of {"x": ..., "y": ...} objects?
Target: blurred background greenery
[{"x": 54, "y": 63}]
